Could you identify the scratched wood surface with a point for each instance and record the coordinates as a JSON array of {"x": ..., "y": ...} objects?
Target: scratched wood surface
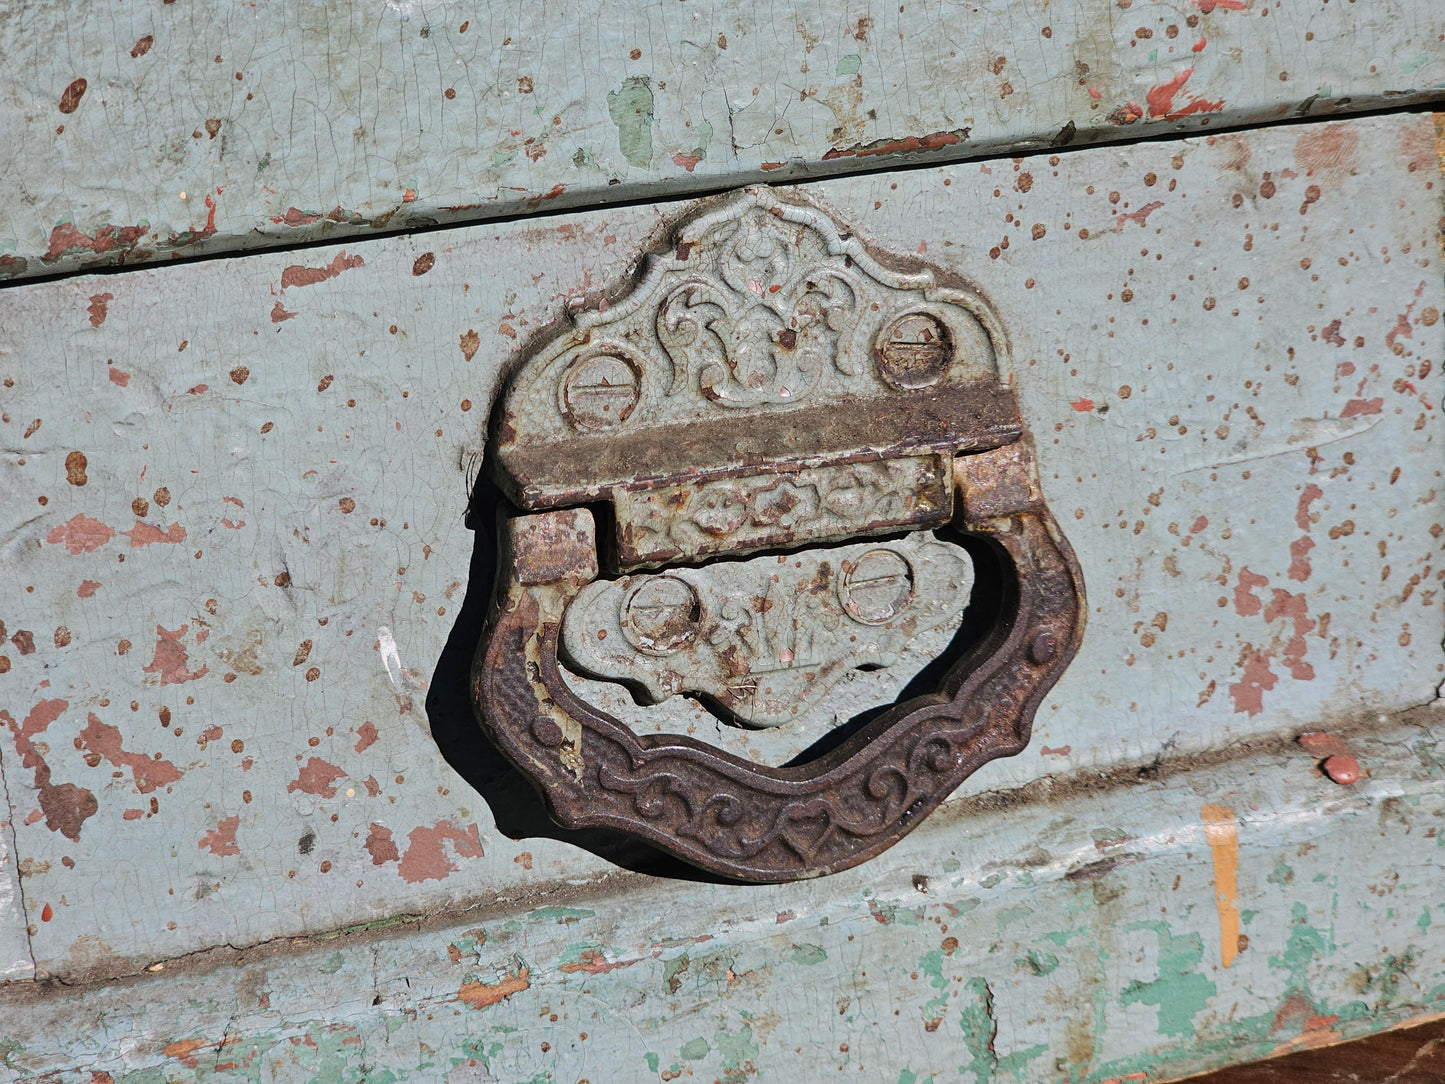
[
  {"x": 235, "y": 559},
  {"x": 997, "y": 944},
  {"x": 140, "y": 131}
]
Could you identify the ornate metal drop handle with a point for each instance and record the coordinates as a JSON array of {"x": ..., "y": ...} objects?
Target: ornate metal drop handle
[
  {"x": 756, "y": 823},
  {"x": 818, "y": 393}
]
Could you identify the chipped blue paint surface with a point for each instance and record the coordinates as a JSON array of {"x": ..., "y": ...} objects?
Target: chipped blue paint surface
[
  {"x": 803, "y": 978},
  {"x": 235, "y": 552},
  {"x": 187, "y": 130}
]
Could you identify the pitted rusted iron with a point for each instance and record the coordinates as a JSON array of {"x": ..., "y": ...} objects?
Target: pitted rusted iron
[{"x": 767, "y": 383}]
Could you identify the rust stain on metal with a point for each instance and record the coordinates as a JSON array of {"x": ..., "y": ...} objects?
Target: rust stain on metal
[
  {"x": 812, "y": 392},
  {"x": 75, "y": 464},
  {"x": 1222, "y": 834}
]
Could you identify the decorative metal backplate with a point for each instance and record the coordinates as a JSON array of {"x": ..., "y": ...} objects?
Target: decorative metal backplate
[{"x": 765, "y": 382}]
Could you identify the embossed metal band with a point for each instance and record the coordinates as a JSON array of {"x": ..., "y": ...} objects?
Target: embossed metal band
[{"x": 758, "y": 823}]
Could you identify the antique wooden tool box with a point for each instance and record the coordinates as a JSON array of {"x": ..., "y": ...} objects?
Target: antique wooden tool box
[{"x": 687, "y": 541}]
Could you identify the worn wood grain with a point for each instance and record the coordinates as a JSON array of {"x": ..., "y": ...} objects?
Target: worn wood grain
[
  {"x": 154, "y": 129},
  {"x": 235, "y": 559},
  {"x": 1412, "y": 1055}
]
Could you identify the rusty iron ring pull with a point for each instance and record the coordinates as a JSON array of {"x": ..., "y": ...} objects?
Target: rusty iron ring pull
[{"x": 766, "y": 382}]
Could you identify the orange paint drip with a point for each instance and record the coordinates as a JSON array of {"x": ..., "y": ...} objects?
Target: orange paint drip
[{"x": 1222, "y": 834}]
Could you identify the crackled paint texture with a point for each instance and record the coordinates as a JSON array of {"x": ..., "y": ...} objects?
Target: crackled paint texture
[
  {"x": 233, "y": 551},
  {"x": 182, "y": 129},
  {"x": 987, "y": 947}
]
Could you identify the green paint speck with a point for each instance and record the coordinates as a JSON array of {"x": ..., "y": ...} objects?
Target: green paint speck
[
  {"x": 1180, "y": 991},
  {"x": 560, "y": 914},
  {"x": 695, "y": 1049},
  {"x": 1040, "y": 963},
  {"x": 1281, "y": 874},
  {"x": 651, "y": 1060},
  {"x": 849, "y": 65},
  {"x": 737, "y": 1051},
  {"x": 807, "y": 954},
  {"x": 333, "y": 964},
  {"x": 630, "y": 107}
]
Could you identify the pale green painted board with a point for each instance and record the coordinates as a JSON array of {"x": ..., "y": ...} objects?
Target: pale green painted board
[
  {"x": 1073, "y": 937},
  {"x": 149, "y": 129},
  {"x": 244, "y": 669}
]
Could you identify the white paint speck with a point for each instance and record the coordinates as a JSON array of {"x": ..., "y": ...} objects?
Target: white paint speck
[{"x": 390, "y": 656}]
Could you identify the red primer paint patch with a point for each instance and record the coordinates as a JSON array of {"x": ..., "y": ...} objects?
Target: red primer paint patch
[
  {"x": 1341, "y": 768},
  {"x": 1310, "y": 494},
  {"x": 170, "y": 659},
  {"x": 296, "y": 275},
  {"x": 1358, "y": 407},
  {"x": 1061, "y": 751},
  {"x": 1245, "y": 604},
  {"x": 1198, "y": 46},
  {"x": 908, "y": 144},
  {"x": 87, "y": 588},
  {"x": 1137, "y": 217},
  {"x": 65, "y": 807},
  {"x": 365, "y": 736},
  {"x": 1161, "y": 99},
  {"x": 47, "y": 913},
  {"x": 317, "y": 777},
  {"x": 1401, "y": 328},
  {"x": 686, "y": 161},
  {"x": 294, "y": 216},
  {"x": 1296, "y": 608},
  {"x": 105, "y": 740},
  {"x": 380, "y": 845},
  {"x": 478, "y": 995},
  {"x": 280, "y": 314},
  {"x": 145, "y": 534},
  {"x": 1198, "y": 525},
  {"x": 591, "y": 961},
  {"x": 1083, "y": 406},
  {"x": 426, "y": 857},
  {"x": 1319, "y": 743},
  {"x": 221, "y": 840},
  {"x": 119, "y": 378},
  {"x": 1258, "y": 679},
  {"x": 81, "y": 534},
  {"x": 1210, "y": 6},
  {"x": 66, "y": 240},
  {"x": 1299, "y": 565},
  {"x": 97, "y": 308}
]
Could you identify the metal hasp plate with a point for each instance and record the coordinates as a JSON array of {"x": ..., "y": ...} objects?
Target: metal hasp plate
[{"x": 765, "y": 382}]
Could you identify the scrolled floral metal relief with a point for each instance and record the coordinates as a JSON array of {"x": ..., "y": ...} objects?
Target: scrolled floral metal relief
[{"x": 770, "y": 459}]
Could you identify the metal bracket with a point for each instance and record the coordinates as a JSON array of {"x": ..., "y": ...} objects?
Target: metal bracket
[{"x": 767, "y": 383}]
